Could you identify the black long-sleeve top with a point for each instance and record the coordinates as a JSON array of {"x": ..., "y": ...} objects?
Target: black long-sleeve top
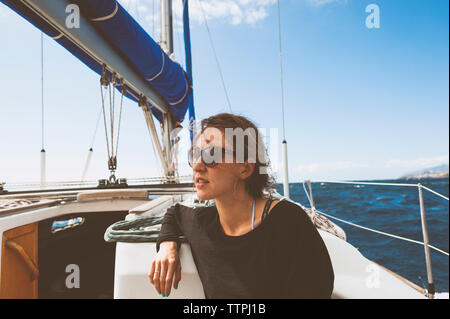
[{"x": 284, "y": 257}]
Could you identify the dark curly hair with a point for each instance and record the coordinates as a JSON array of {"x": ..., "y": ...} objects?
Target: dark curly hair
[{"x": 260, "y": 179}]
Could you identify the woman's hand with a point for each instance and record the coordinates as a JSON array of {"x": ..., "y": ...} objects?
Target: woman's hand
[{"x": 166, "y": 268}]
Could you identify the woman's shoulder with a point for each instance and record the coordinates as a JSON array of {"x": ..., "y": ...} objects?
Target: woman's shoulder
[
  {"x": 288, "y": 212},
  {"x": 286, "y": 205},
  {"x": 291, "y": 221},
  {"x": 182, "y": 209}
]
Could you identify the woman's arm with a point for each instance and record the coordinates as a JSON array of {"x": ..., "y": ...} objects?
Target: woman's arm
[
  {"x": 166, "y": 266},
  {"x": 310, "y": 275},
  {"x": 171, "y": 227}
]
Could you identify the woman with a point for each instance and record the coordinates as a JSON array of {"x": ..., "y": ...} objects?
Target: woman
[{"x": 246, "y": 246}]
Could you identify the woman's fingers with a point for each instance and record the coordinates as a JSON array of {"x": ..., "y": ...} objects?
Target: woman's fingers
[
  {"x": 177, "y": 276},
  {"x": 156, "y": 276},
  {"x": 162, "y": 276},
  {"x": 165, "y": 271},
  {"x": 169, "y": 277},
  {"x": 152, "y": 272}
]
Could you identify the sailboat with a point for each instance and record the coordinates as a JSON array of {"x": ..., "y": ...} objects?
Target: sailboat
[{"x": 53, "y": 243}]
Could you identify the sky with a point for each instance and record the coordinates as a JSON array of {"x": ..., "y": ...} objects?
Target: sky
[{"x": 360, "y": 103}]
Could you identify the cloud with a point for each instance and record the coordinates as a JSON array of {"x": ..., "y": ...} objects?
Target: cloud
[
  {"x": 319, "y": 3},
  {"x": 228, "y": 10},
  {"x": 235, "y": 12},
  {"x": 254, "y": 15},
  {"x": 418, "y": 163},
  {"x": 331, "y": 166}
]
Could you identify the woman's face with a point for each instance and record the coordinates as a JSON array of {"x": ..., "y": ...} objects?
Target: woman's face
[{"x": 223, "y": 178}]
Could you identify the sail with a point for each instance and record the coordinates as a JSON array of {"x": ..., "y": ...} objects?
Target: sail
[{"x": 129, "y": 40}]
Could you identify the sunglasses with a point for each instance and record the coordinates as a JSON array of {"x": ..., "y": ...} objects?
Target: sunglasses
[{"x": 211, "y": 156}]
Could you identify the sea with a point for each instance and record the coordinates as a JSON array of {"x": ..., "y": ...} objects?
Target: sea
[{"x": 394, "y": 210}]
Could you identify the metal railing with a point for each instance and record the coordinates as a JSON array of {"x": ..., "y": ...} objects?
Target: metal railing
[
  {"x": 425, "y": 243},
  {"x": 73, "y": 184}
]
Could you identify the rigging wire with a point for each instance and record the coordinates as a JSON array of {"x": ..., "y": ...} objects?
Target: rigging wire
[
  {"x": 281, "y": 68},
  {"x": 112, "y": 94},
  {"x": 370, "y": 229},
  {"x": 107, "y": 87},
  {"x": 104, "y": 116},
  {"x": 128, "y": 5},
  {"x": 434, "y": 192},
  {"x": 383, "y": 233},
  {"x": 215, "y": 55},
  {"x": 123, "y": 90},
  {"x": 96, "y": 127},
  {"x": 138, "y": 15},
  {"x": 91, "y": 149},
  {"x": 178, "y": 45},
  {"x": 153, "y": 19},
  {"x": 364, "y": 183}
]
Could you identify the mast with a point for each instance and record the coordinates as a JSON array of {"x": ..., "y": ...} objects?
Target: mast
[
  {"x": 42, "y": 114},
  {"x": 284, "y": 143},
  {"x": 168, "y": 123},
  {"x": 166, "y": 27}
]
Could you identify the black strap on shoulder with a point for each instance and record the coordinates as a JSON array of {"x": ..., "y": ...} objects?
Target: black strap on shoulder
[{"x": 266, "y": 209}]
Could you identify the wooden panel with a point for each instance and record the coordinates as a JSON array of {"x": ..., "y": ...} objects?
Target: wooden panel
[{"x": 16, "y": 276}]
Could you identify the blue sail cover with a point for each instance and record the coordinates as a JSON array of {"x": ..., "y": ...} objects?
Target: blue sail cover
[{"x": 131, "y": 41}]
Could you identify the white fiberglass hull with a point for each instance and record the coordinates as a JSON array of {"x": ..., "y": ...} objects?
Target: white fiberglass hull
[{"x": 355, "y": 276}]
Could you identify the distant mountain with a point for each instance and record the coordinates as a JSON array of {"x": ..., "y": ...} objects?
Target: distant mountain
[{"x": 440, "y": 171}]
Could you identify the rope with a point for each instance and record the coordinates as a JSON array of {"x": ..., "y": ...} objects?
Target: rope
[
  {"x": 123, "y": 90},
  {"x": 307, "y": 195},
  {"x": 141, "y": 229},
  {"x": 110, "y": 86},
  {"x": 215, "y": 55},
  {"x": 104, "y": 117},
  {"x": 112, "y": 94},
  {"x": 281, "y": 68}
]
